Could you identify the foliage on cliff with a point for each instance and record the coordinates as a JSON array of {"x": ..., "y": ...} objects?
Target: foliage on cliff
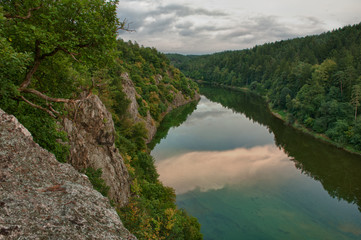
[
  {"x": 152, "y": 213},
  {"x": 155, "y": 80},
  {"x": 51, "y": 52},
  {"x": 315, "y": 81}
]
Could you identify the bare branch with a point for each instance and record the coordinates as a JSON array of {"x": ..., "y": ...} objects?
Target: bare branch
[
  {"x": 125, "y": 26},
  {"x": 53, "y": 110},
  {"x": 8, "y": 16},
  {"x": 39, "y": 107},
  {"x": 43, "y": 96}
]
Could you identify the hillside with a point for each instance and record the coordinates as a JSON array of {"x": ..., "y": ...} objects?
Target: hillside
[
  {"x": 313, "y": 82},
  {"x": 56, "y": 64}
]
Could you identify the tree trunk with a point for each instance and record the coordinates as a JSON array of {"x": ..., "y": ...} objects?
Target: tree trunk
[{"x": 355, "y": 114}]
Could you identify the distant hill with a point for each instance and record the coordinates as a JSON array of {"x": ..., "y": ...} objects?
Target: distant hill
[{"x": 314, "y": 81}]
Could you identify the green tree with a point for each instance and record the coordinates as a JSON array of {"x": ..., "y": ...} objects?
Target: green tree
[
  {"x": 79, "y": 31},
  {"x": 323, "y": 72},
  {"x": 340, "y": 78},
  {"x": 355, "y": 98}
]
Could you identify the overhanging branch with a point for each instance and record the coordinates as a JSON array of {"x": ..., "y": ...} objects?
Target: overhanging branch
[
  {"x": 38, "y": 107},
  {"x": 47, "y": 98}
]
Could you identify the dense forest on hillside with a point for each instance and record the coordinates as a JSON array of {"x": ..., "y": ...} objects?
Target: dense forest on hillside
[
  {"x": 54, "y": 52},
  {"x": 314, "y": 81}
]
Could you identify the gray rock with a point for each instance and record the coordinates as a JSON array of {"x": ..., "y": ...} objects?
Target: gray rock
[
  {"x": 150, "y": 124},
  {"x": 41, "y": 198},
  {"x": 91, "y": 138}
]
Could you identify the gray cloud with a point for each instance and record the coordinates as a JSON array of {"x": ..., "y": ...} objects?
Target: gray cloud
[
  {"x": 166, "y": 17},
  {"x": 186, "y": 27},
  {"x": 264, "y": 29},
  {"x": 182, "y": 11},
  {"x": 159, "y": 26}
]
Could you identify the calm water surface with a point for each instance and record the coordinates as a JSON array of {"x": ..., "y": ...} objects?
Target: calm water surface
[{"x": 245, "y": 175}]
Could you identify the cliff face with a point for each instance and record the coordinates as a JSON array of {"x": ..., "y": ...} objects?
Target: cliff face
[
  {"x": 41, "y": 197},
  {"x": 91, "y": 138},
  {"x": 150, "y": 123},
  {"x": 44, "y": 199}
]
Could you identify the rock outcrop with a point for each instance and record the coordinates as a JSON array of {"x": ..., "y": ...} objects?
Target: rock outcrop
[
  {"x": 41, "y": 198},
  {"x": 91, "y": 138},
  {"x": 150, "y": 123},
  {"x": 129, "y": 90}
]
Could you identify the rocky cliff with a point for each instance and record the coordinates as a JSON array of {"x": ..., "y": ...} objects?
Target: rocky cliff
[
  {"x": 91, "y": 135},
  {"x": 150, "y": 123},
  {"x": 41, "y": 198}
]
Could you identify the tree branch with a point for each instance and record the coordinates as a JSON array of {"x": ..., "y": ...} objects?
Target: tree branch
[
  {"x": 30, "y": 74},
  {"x": 39, "y": 58},
  {"x": 125, "y": 26},
  {"x": 52, "y": 53},
  {"x": 43, "y": 96},
  {"x": 38, "y": 107},
  {"x": 9, "y": 16}
]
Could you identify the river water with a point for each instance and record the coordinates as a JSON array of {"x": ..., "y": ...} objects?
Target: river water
[{"x": 246, "y": 175}]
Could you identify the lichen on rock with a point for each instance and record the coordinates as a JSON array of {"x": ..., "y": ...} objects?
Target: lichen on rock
[{"x": 41, "y": 198}]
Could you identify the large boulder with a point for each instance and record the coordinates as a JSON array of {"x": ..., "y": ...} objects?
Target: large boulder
[{"x": 41, "y": 198}]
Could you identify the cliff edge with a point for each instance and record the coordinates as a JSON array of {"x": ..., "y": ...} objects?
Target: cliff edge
[
  {"x": 41, "y": 198},
  {"x": 91, "y": 133},
  {"x": 151, "y": 124}
]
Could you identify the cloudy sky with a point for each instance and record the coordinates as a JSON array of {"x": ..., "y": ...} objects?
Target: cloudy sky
[{"x": 207, "y": 26}]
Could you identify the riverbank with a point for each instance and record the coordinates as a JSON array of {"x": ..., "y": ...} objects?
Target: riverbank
[
  {"x": 321, "y": 137},
  {"x": 282, "y": 115}
]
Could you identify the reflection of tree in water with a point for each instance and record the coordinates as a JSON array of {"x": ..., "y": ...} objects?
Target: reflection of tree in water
[
  {"x": 173, "y": 119},
  {"x": 338, "y": 171}
]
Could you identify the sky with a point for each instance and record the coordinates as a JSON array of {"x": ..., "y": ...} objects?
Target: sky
[{"x": 208, "y": 26}]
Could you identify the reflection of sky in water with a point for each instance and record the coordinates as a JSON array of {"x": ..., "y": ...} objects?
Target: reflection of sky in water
[
  {"x": 211, "y": 170},
  {"x": 216, "y": 147},
  {"x": 228, "y": 173},
  {"x": 212, "y": 127}
]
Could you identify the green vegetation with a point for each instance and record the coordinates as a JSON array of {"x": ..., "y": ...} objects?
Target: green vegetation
[
  {"x": 51, "y": 52},
  {"x": 314, "y": 81},
  {"x": 96, "y": 180},
  {"x": 152, "y": 213}
]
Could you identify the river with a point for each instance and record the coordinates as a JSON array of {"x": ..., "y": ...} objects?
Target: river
[{"x": 246, "y": 175}]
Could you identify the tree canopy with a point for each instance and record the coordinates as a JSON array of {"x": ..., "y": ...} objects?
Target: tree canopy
[
  {"x": 53, "y": 35},
  {"x": 314, "y": 79}
]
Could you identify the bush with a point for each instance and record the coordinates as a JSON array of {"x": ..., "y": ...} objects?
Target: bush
[{"x": 95, "y": 178}]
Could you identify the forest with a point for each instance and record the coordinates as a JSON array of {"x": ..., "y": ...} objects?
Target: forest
[
  {"x": 52, "y": 52},
  {"x": 313, "y": 82}
]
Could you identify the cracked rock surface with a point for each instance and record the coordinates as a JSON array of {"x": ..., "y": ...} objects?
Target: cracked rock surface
[{"x": 41, "y": 198}]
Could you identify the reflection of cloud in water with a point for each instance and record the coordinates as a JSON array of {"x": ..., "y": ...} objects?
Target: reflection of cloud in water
[
  {"x": 214, "y": 169},
  {"x": 206, "y": 109}
]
